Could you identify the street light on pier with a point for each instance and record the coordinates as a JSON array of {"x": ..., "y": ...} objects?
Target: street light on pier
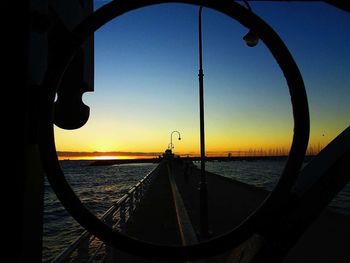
[
  {"x": 171, "y": 145},
  {"x": 203, "y": 190},
  {"x": 251, "y": 39}
]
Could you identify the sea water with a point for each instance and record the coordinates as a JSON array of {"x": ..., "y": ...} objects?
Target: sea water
[
  {"x": 99, "y": 187},
  {"x": 265, "y": 174}
]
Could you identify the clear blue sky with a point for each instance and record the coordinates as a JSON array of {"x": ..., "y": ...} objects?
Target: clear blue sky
[{"x": 146, "y": 83}]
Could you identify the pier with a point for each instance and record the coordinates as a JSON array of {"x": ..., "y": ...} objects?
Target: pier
[
  {"x": 168, "y": 214},
  {"x": 156, "y": 221},
  {"x": 230, "y": 202}
]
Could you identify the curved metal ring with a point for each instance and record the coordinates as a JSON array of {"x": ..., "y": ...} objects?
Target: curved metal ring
[{"x": 258, "y": 220}]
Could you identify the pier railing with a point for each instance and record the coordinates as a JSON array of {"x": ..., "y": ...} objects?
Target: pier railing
[{"x": 88, "y": 248}]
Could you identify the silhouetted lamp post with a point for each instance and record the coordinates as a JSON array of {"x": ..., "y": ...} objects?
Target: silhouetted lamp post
[
  {"x": 203, "y": 190},
  {"x": 251, "y": 38},
  {"x": 171, "y": 139}
]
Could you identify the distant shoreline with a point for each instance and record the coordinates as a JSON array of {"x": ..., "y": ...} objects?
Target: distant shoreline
[{"x": 193, "y": 159}]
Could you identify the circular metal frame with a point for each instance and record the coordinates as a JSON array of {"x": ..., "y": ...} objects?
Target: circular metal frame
[{"x": 256, "y": 222}]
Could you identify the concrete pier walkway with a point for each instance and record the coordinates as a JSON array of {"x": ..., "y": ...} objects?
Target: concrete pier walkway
[
  {"x": 155, "y": 220},
  {"x": 229, "y": 203}
]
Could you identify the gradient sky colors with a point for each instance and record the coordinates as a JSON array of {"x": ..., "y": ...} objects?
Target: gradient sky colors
[{"x": 146, "y": 83}]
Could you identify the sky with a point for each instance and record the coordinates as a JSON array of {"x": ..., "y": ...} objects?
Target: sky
[{"x": 146, "y": 81}]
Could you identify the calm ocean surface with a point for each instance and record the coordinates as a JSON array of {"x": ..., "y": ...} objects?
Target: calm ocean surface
[{"x": 99, "y": 186}]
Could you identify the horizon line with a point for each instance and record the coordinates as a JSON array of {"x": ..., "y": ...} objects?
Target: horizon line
[
  {"x": 139, "y": 155},
  {"x": 127, "y": 153}
]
